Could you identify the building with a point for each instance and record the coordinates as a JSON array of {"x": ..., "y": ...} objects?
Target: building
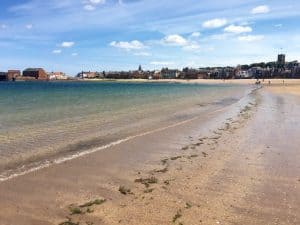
[
  {"x": 296, "y": 72},
  {"x": 118, "y": 75},
  {"x": 140, "y": 74},
  {"x": 189, "y": 73},
  {"x": 243, "y": 74},
  {"x": 57, "y": 76},
  {"x": 90, "y": 75},
  {"x": 35, "y": 73},
  {"x": 256, "y": 72},
  {"x": 156, "y": 75},
  {"x": 3, "y": 76},
  {"x": 169, "y": 74},
  {"x": 12, "y": 75},
  {"x": 281, "y": 61}
]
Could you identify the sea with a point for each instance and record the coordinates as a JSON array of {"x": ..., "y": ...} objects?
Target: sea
[{"x": 42, "y": 123}]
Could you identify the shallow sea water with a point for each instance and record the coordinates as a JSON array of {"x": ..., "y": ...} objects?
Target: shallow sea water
[{"x": 41, "y": 120}]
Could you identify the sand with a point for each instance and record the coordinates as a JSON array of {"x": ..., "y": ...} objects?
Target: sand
[
  {"x": 207, "y": 81},
  {"x": 235, "y": 165}
]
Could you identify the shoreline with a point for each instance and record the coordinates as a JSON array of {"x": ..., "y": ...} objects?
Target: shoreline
[
  {"x": 49, "y": 163},
  {"x": 101, "y": 130},
  {"x": 201, "y": 81},
  {"x": 264, "y": 82},
  {"x": 64, "y": 157},
  {"x": 206, "y": 171}
]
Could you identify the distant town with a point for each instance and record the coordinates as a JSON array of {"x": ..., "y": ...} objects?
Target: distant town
[{"x": 269, "y": 70}]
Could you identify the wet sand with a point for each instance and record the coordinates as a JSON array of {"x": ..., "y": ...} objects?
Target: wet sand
[{"x": 235, "y": 165}]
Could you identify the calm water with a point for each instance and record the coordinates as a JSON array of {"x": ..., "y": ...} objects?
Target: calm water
[{"x": 40, "y": 120}]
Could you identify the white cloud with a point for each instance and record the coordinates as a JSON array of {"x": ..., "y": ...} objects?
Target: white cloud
[
  {"x": 67, "y": 44},
  {"x": 132, "y": 45},
  {"x": 56, "y": 51},
  {"x": 191, "y": 47},
  {"x": 260, "y": 9},
  {"x": 29, "y": 26},
  {"x": 196, "y": 34},
  {"x": 74, "y": 54},
  {"x": 175, "y": 39},
  {"x": 89, "y": 7},
  {"x": 238, "y": 29},
  {"x": 96, "y": 2},
  {"x": 214, "y": 23},
  {"x": 161, "y": 63},
  {"x": 278, "y": 25},
  {"x": 142, "y": 54},
  {"x": 219, "y": 37},
  {"x": 251, "y": 38}
]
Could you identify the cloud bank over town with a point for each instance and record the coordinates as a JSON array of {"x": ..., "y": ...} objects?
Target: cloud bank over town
[{"x": 74, "y": 35}]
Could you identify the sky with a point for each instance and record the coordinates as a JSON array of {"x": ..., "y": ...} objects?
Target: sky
[{"x": 76, "y": 35}]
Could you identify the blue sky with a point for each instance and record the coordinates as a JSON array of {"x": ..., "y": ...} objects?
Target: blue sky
[{"x": 75, "y": 35}]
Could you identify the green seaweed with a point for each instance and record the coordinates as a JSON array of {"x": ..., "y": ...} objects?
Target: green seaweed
[
  {"x": 147, "y": 181},
  {"x": 75, "y": 210},
  {"x": 188, "y": 205},
  {"x": 177, "y": 216},
  {"x": 164, "y": 170},
  {"x": 91, "y": 203},
  {"x": 149, "y": 190},
  {"x": 123, "y": 190},
  {"x": 164, "y": 161},
  {"x": 68, "y": 223},
  {"x": 176, "y": 157}
]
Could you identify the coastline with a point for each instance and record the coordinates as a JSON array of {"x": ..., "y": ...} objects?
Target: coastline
[
  {"x": 202, "y": 81},
  {"x": 206, "y": 171},
  {"x": 265, "y": 82},
  {"x": 51, "y": 141}
]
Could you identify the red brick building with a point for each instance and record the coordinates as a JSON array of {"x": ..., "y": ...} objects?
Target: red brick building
[
  {"x": 35, "y": 73},
  {"x": 13, "y": 74}
]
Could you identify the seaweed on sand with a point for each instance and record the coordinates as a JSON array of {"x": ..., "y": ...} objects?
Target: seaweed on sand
[
  {"x": 147, "y": 181},
  {"x": 176, "y": 157},
  {"x": 75, "y": 210},
  {"x": 91, "y": 203},
  {"x": 164, "y": 170},
  {"x": 204, "y": 154},
  {"x": 164, "y": 161},
  {"x": 177, "y": 216},
  {"x": 149, "y": 190},
  {"x": 68, "y": 223},
  {"x": 123, "y": 190},
  {"x": 185, "y": 148}
]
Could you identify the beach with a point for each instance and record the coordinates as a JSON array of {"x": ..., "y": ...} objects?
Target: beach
[
  {"x": 46, "y": 122},
  {"x": 231, "y": 163}
]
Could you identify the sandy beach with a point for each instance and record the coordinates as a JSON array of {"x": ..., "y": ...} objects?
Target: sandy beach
[
  {"x": 206, "y": 81},
  {"x": 238, "y": 164}
]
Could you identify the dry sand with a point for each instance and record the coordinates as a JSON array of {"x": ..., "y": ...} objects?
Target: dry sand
[
  {"x": 208, "y": 81},
  {"x": 236, "y": 165}
]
